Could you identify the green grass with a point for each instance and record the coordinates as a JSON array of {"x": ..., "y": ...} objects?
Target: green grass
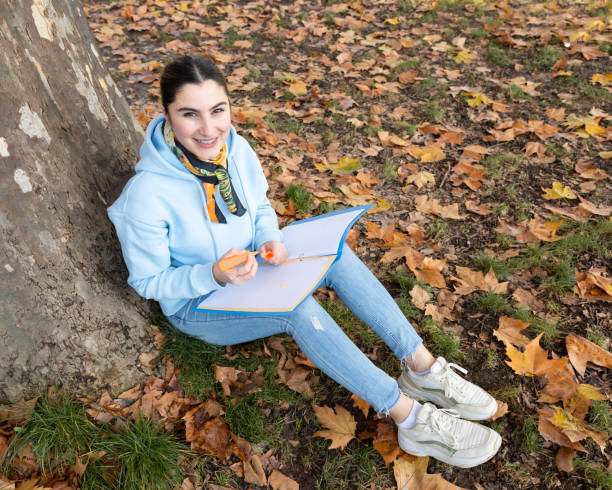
[
  {"x": 599, "y": 477},
  {"x": 514, "y": 92},
  {"x": 441, "y": 343},
  {"x": 246, "y": 420},
  {"x": 300, "y": 197},
  {"x": 431, "y": 111},
  {"x": 509, "y": 394},
  {"x": 529, "y": 435},
  {"x": 595, "y": 335},
  {"x": 439, "y": 230},
  {"x": 600, "y": 416},
  {"x": 58, "y": 431},
  {"x": 496, "y": 55},
  {"x": 501, "y": 164},
  {"x": 544, "y": 58},
  {"x": 149, "y": 457},
  {"x": 485, "y": 262},
  {"x": 489, "y": 357},
  {"x": 389, "y": 171},
  {"x": 357, "y": 466}
]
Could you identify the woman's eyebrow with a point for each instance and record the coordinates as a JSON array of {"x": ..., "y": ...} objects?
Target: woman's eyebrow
[{"x": 189, "y": 109}]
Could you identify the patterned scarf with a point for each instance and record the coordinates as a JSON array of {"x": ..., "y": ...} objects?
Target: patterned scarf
[{"x": 210, "y": 174}]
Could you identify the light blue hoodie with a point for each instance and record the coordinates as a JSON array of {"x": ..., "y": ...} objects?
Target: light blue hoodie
[{"x": 169, "y": 244}]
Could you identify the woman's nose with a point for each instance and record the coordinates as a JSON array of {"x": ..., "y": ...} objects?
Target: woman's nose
[{"x": 205, "y": 125}]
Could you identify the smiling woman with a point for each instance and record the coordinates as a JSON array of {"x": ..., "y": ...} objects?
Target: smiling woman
[{"x": 199, "y": 198}]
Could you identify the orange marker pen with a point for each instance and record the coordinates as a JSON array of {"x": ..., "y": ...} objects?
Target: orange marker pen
[{"x": 236, "y": 260}]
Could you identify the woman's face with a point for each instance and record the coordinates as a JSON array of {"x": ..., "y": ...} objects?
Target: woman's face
[{"x": 200, "y": 118}]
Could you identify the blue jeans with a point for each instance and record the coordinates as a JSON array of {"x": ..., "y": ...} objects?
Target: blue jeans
[{"x": 318, "y": 335}]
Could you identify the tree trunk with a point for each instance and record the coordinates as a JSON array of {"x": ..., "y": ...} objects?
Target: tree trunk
[{"x": 68, "y": 142}]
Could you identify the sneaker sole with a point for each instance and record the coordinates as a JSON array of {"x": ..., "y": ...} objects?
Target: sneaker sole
[
  {"x": 413, "y": 391},
  {"x": 416, "y": 449}
]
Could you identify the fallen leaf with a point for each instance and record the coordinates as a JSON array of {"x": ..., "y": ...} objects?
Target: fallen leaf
[
  {"x": 558, "y": 191},
  {"x": 594, "y": 285},
  {"x": 534, "y": 360},
  {"x": 298, "y": 88},
  {"x": 385, "y": 441},
  {"x": 360, "y": 404},
  {"x": 429, "y": 153},
  {"x": 344, "y": 166},
  {"x": 509, "y": 331},
  {"x": 421, "y": 178},
  {"x": 278, "y": 481},
  {"x": 419, "y": 296},
  {"x": 340, "y": 425},
  {"x": 564, "y": 459},
  {"x": 253, "y": 471},
  {"x": 411, "y": 474},
  {"x": 502, "y": 409},
  {"x": 581, "y": 350}
]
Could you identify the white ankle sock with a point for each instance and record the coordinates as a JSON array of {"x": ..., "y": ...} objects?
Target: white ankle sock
[
  {"x": 410, "y": 421},
  {"x": 422, "y": 373}
]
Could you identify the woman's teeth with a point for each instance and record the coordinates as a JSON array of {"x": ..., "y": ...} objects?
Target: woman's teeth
[{"x": 205, "y": 141}]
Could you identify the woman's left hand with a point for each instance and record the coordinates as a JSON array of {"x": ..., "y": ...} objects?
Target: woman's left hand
[{"x": 279, "y": 252}]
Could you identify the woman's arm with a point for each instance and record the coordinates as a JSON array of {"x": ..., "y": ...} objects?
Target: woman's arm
[{"x": 146, "y": 254}]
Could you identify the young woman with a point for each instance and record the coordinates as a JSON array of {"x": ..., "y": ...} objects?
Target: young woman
[{"x": 198, "y": 196}]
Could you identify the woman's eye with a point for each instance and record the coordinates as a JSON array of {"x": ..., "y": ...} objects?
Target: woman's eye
[
  {"x": 218, "y": 110},
  {"x": 190, "y": 114}
]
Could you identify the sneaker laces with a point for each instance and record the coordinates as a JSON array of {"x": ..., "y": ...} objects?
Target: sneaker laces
[
  {"x": 446, "y": 423},
  {"x": 452, "y": 382}
]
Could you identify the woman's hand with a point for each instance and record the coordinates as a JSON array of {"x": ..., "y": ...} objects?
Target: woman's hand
[
  {"x": 237, "y": 275},
  {"x": 279, "y": 252}
]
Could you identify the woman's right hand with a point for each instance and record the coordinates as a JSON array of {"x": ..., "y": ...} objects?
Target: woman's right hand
[{"x": 237, "y": 275}]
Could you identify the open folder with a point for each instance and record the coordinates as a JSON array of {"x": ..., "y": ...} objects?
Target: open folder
[{"x": 313, "y": 245}]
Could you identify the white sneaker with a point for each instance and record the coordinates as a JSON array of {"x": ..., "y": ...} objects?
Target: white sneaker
[
  {"x": 447, "y": 389},
  {"x": 439, "y": 433}
]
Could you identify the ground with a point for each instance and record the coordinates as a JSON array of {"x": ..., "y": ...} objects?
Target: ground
[{"x": 455, "y": 117}]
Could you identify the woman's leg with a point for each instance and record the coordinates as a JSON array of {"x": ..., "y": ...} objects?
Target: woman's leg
[
  {"x": 316, "y": 333},
  {"x": 365, "y": 296}
]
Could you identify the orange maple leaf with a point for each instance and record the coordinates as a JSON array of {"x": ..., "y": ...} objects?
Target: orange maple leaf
[
  {"x": 340, "y": 425},
  {"x": 534, "y": 360}
]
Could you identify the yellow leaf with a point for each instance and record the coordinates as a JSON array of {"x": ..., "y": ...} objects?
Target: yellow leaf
[
  {"x": 580, "y": 36},
  {"x": 393, "y": 21},
  {"x": 381, "y": 205},
  {"x": 421, "y": 178},
  {"x": 593, "y": 128},
  {"x": 431, "y": 153},
  {"x": 595, "y": 25},
  {"x": 607, "y": 155},
  {"x": 298, "y": 88},
  {"x": 601, "y": 78},
  {"x": 340, "y": 426},
  {"x": 562, "y": 73},
  {"x": 558, "y": 191},
  {"x": 344, "y": 166},
  {"x": 464, "y": 56},
  {"x": 534, "y": 360},
  {"x": 476, "y": 99}
]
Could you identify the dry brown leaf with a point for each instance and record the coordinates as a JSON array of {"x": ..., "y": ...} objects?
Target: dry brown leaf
[
  {"x": 534, "y": 360},
  {"x": 509, "y": 331},
  {"x": 502, "y": 409},
  {"x": 554, "y": 434},
  {"x": 474, "y": 206},
  {"x": 411, "y": 474},
  {"x": 594, "y": 285},
  {"x": 360, "y": 404},
  {"x": 340, "y": 425},
  {"x": 253, "y": 471},
  {"x": 278, "y": 481},
  {"x": 419, "y": 296},
  {"x": 564, "y": 459},
  {"x": 385, "y": 441},
  {"x": 587, "y": 170},
  {"x": 581, "y": 350}
]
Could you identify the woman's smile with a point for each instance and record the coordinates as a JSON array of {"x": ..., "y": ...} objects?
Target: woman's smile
[{"x": 200, "y": 118}]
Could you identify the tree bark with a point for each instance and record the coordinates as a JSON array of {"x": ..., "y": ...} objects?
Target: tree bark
[{"x": 68, "y": 142}]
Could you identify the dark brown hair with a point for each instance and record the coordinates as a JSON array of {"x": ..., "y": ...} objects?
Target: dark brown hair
[{"x": 188, "y": 69}]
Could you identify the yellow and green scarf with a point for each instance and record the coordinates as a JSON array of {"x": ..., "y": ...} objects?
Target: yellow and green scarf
[{"x": 210, "y": 173}]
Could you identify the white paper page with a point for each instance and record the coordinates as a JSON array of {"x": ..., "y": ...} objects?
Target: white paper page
[
  {"x": 273, "y": 289},
  {"x": 319, "y": 236}
]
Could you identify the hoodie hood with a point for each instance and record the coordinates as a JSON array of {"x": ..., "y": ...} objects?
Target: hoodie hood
[{"x": 156, "y": 157}]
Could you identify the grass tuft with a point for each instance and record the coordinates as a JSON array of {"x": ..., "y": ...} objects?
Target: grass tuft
[
  {"x": 300, "y": 197},
  {"x": 58, "y": 431},
  {"x": 149, "y": 457}
]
